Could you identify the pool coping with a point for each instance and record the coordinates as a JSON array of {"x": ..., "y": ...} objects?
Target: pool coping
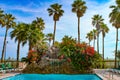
[{"x": 101, "y": 77}]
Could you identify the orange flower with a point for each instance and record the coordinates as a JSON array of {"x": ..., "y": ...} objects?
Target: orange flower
[{"x": 90, "y": 51}]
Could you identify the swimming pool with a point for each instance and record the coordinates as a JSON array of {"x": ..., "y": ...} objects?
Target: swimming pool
[{"x": 53, "y": 77}]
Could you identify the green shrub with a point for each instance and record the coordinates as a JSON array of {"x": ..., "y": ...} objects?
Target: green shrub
[{"x": 81, "y": 56}]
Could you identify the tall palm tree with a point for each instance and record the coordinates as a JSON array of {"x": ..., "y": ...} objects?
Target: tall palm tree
[
  {"x": 94, "y": 36},
  {"x": 79, "y": 8},
  {"x": 115, "y": 20},
  {"x": 39, "y": 23},
  {"x": 90, "y": 36},
  {"x": 55, "y": 11},
  {"x": 96, "y": 21},
  {"x": 8, "y": 23},
  {"x": 49, "y": 37},
  {"x": 104, "y": 30},
  {"x": 18, "y": 34}
]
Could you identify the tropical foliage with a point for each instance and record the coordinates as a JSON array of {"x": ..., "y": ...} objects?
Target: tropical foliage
[{"x": 80, "y": 55}]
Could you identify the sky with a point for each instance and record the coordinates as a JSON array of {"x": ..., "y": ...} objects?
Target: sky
[{"x": 27, "y": 11}]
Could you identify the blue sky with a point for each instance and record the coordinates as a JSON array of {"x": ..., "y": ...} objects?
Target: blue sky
[{"x": 28, "y": 10}]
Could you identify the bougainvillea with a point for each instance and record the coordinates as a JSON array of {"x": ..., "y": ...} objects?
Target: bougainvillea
[{"x": 32, "y": 56}]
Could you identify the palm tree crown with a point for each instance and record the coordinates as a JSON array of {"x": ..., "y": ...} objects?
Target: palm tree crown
[
  {"x": 104, "y": 29},
  {"x": 115, "y": 15},
  {"x": 90, "y": 36},
  {"x": 9, "y": 21},
  {"x": 18, "y": 33},
  {"x": 96, "y": 21},
  {"x": 79, "y": 7},
  {"x": 39, "y": 23},
  {"x": 56, "y": 11}
]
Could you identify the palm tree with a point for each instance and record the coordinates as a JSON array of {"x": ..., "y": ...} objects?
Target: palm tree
[
  {"x": 104, "y": 30},
  {"x": 90, "y": 36},
  {"x": 18, "y": 34},
  {"x": 8, "y": 23},
  {"x": 115, "y": 20},
  {"x": 49, "y": 37},
  {"x": 94, "y": 36},
  {"x": 34, "y": 35},
  {"x": 79, "y": 8},
  {"x": 96, "y": 21},
  {"x": 39, "y": 23},
  {"x": 55, "y": 11},
  {"x": 24, "y": 33}
]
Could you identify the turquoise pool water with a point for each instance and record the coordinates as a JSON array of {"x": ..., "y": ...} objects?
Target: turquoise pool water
[{"x": 53, "y": 77}]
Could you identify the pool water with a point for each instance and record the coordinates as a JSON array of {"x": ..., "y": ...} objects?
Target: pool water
[{"x": 53, "y": 77}]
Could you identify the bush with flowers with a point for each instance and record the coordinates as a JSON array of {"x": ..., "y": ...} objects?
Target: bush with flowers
[
  {"x": 32, "y": 56},
  {"x": 80, "y": 55}
]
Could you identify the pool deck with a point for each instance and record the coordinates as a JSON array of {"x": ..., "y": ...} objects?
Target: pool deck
[
  {"x": 4, "y": 75},
  {"x": 105, "y": 75}
]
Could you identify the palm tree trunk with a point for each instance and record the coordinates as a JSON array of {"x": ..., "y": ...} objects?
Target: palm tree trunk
[
  {"x": 103, "y": 48},
  {"x": 18, "y": 54},
  {"x": 30, "y": 47},
  {"x": 116, "y": 48},
  {"x": 89, "y": 42},
  {"x": 54, "y": 32},
  {"x": 78, "y": 29},
  {"x": 3, "y": 50},
  {"x": 94, "y": 43},
  {"x": 98, "y": 43}
]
